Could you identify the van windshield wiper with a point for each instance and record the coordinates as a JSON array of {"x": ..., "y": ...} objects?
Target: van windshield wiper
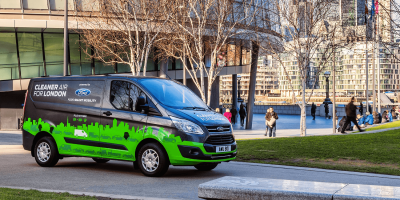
[{"x": 193, "y": 108}]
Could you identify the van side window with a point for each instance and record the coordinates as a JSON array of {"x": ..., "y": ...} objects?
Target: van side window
[{"x": 124, "y": 96}]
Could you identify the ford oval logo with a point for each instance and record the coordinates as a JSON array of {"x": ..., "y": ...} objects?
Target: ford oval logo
[
  {"x": 82, "y": 92},
  {"x": 220, "y": 129}
]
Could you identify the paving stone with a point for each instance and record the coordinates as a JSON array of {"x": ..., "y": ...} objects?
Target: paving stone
[
  {"x": 230, "y": 187},
  {"x": 367, "y": 192}
]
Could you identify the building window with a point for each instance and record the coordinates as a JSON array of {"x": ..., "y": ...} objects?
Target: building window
[
  {"x": 12, "y": 4},
  {"x": 8, "y": 57},
  {"x": 35, "y": 4},
  {"x": 60, "y": 4},
  {"x": 31, "y": 55},
  {"x": 54, "y": 53}
]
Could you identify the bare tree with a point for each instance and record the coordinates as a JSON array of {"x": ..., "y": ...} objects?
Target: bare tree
[
  {"x": 123, "y": 31},
  {"x": 310, "y": 29},
  {"x": 200, "y": 29}
]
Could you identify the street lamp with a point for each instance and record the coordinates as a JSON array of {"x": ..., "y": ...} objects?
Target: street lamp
[
  {"x": 327, "y": 100},
  {"x": 239, "y": 78}
]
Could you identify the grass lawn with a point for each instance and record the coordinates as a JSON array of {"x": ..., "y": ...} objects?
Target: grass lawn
[
  {"x": 386, "y": 125},
  {"x": 11, "y": 194},
  {"x": 375, "y": 153}
]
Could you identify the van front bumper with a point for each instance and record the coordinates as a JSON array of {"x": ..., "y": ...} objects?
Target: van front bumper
[{"x": 196, "y": 153}]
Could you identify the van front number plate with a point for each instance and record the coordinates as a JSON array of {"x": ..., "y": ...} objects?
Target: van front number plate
[{"x": 223, "y": 148}]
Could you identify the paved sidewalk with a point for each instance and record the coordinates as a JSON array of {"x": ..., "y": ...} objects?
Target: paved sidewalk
[
  {"x": 286, "y": 126},
  {"x": 289, "y": 126}
]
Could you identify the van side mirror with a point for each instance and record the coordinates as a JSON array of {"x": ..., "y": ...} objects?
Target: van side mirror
[{"x": 142, "y": 105}]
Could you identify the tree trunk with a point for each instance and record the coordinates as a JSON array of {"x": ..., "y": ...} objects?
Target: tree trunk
[
  {"x": 133, "y": 70},
  {"x": 303, "y": 109},
  {"x": 202, "y": 83}
]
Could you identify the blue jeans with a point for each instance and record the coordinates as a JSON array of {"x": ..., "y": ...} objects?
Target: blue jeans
[{"x": 271, "y": 132}]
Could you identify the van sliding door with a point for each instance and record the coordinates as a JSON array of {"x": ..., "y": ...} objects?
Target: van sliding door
[{"x": 122, "y": 120}]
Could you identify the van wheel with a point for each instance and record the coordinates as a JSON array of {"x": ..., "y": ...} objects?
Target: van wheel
[
  {"x": 153, "y": 161},
  {"x": 99, "y": 160},
  {"x": 206, "y": 167},
  {"x": 46, "y": 153}
]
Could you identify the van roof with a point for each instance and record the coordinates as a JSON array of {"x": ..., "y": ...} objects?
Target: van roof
[{"x": 123, "y": 75}]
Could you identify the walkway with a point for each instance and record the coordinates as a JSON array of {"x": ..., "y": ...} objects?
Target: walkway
[{"x": 287, "y": 126}]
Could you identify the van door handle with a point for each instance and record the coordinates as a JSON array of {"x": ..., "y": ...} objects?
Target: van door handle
[{"x": 108, "y": 113}]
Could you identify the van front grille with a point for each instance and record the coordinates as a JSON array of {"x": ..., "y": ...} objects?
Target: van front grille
[
  {"x": 220, "y": 139},
  {"x": 214, "y": 129}
]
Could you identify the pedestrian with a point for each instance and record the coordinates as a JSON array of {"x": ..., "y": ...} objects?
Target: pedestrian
[
  {"x": 361, "y": 109},
  {"x": 242, "y": 113},
  {"x": 369, "y": 119},
  {"x": 342, "y": 123},
  {"x": 228, "y": 114},
  {"x": 326, "y": 110},
  {"x": 221, "y": 110},
  {"x": 361, "y": 120},
  {"x": 376, "y": 117},
  {"x": 384, "y": 116},
  {"x": 267, "y": 128},
  {"x": 351, "y": 114},
  {"x": 234, "y": 114},
  {"x": 393, "y": 111},
  {"x": 369, "y": 108},
  {"x": 313, "y": 109},
  {"x": 390, "y": 117},
  {"x": 270, "y": 122}
]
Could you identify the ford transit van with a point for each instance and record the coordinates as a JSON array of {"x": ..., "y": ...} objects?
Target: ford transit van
[{"x": 152, "y": 122}]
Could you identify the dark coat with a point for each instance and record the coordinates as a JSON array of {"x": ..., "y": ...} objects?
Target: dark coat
[
  {"x": 384, "y": 116},
  {"x": 242, "y": 112},
  {"x": 313, "y": 108},
  {"x": 234, "y": 112},
  {"x": 341, "y": 124},
  {"x": 361, "y": 108},
  {"x": 269, "y": 115},
  {"x": 326, "y": 108},
  {"x": 351, "y": 110},
  {"x": 376, "y": 118}
]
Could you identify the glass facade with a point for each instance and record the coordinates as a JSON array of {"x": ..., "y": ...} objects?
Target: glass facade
[
  {"x": 28, "y": 55},
  {"x": 8, "y": 57}
]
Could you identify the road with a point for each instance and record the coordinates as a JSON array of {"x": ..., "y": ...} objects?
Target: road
[{"x": 19, "y": 169}]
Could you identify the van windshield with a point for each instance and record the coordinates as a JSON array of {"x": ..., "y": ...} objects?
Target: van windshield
[{"x": 173, "y": 94}]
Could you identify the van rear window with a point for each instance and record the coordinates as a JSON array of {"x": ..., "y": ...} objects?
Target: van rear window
[{"x": 87, "y": 93}]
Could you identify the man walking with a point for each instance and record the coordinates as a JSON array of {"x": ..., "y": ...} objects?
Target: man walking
[
  {"x": 270, "y": 122},
  {"x": 242, "y": 113},
  {"x": 234, "y": 114},
  {"x": 313, "y": 109},
  {"x": 326, "y": 110},
  {"x": 351, "y": 115}
]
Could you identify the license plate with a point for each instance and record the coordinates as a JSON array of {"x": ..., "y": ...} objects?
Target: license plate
[{"x": 223, "y": 148}]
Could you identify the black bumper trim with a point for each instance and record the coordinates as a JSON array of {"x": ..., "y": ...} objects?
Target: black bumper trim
[
  {"x": 27, "y": 140},
  {"x": 95, "y": 143},
  {"x": 196, "y": 153}
]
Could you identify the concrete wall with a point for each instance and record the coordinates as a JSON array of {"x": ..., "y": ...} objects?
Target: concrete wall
[
  {"x": 11, "y": 109},
  {"x": 295, "y": 110}
]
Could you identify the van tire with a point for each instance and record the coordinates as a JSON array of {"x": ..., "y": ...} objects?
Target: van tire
[
  {"x": 46, "y": 144},
  {"x": 100, "y": 160},
  {"x": 206, "y": 167},
  {"x": 153, "y": 151}
]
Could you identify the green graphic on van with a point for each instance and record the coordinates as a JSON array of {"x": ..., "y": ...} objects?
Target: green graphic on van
[{"x": 120, "y": 134}]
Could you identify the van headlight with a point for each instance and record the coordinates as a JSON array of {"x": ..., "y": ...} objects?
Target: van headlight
[{"x": 187, "y": 126}]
